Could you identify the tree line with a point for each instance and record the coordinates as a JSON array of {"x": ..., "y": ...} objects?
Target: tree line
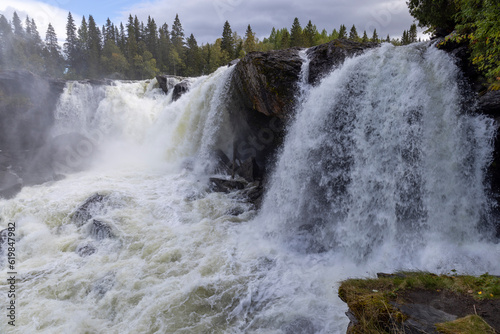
[{"x": 139, "y": 50}]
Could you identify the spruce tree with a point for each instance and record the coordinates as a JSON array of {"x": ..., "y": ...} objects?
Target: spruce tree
[
  {"x": 309, "y": 34},
  {"x": 334, "y": 35},
  {"x": 365, "y": 39},
  {"x": 53, "y": 59},
  {"x": 227, "y": 42},
  {"x": 296, "y": 37},
  {"x": 412, "y": 33},
  {"x": 342, "y": 31},
  {"x": 71, "y": 46},
  {"x": 94, "y": 48},
  {"x": 18, "y": 27},
  {"x": 285, "y": 38},
  {"x": 250, "y": 44},
  {"x": 193, "y": 58},
  {"x": 375, "y": 36},
  {"x": 353, "y": 34}
]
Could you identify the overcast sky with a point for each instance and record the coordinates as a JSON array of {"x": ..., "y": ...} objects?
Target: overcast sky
[{"x": 205, "y": 19}]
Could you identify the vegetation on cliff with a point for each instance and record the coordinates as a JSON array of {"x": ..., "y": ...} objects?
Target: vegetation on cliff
[
  {"x": 381, "y": 305},
  {"x": 476, "y": 23}
]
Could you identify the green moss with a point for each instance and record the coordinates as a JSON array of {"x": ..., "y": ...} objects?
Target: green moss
[
  {"x": 471, "y": 324},
  {"x": 370, "y": 299}
]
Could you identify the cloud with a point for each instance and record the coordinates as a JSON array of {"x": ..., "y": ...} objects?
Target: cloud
[
  {"x": 42, "y": 13},
  {"x": 205, "y": 19}
]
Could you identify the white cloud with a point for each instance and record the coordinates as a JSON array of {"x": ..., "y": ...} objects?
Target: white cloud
[{"x": 42, "y": 13}]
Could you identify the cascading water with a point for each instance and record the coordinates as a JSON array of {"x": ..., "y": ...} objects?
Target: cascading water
[{"x": 382, "y": 169}]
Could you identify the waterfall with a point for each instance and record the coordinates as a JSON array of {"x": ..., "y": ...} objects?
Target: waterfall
[{"x": 382, "y": 169}]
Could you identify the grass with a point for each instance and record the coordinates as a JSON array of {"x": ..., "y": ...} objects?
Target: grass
[
  {"x": 471, "y": 324},
  {"x": 370, "y": 299}
]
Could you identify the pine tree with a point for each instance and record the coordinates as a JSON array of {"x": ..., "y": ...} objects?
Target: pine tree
[
  {"x": 152, "y": 37},
  {"x": 404, "y": 38},
  {"x": 375, "y": 36},
  {"x": 353, "y": 34},
  {"x": 412, "y": 33},
  {"x": 53, "y": 59},
  {"x": 94, "y": 48},
  {"x": 18, "y": 27},
  {"x": 164, "y": 48},
  {"x": 285, "y": 39},
  {"x": 227, "y": 42},
  {"x": 365, "y": 39},
  {"x": 82, "y": 49},
  {"x": 388, "y": 39},
  {"x": 309, "y": 33},
  {"x": 193, "y": 57},
  {"x": 71, "y": 45},
  {"x": 177, "y": 35},
  {"x": 131, "y": 40},
  {"x": 334, "y": 35},
  {"x": 342, "y": 31},
  {"x": 250, "y": 44},
  {"x": 296, "y": 37}
]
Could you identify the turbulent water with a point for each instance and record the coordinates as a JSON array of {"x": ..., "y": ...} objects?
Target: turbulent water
[{"x": 382, "y": 169}]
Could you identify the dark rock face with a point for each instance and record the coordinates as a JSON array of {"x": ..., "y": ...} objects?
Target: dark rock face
[
  {"x": 100, "y": 230},
  {"x": 179, "y": 89},
  {"x": 92, "y": 206},
  {"x": 225, "y": 186},
  {"x": 489, "y": 103},
  {"x": 325, "y": 57},
  {"x": 27, "y": 104}
]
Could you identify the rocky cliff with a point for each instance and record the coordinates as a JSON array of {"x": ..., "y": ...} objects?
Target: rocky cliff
[{"x": 27, "y": 103}]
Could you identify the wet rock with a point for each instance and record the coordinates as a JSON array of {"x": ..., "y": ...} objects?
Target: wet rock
[
  {"x": 10, "y": 184},
  {"x": 249, "y": 170},
  {"x": 489, "y": 103},
  {"x": 4, "y": 236},
  {"x": 235, "y": 211},
  {"x": 104, "y": 284},
  {"x": 300, "y": 326},
  {"x": 422, "y": 318},
  {"x": 179, "y": 89},
  {"x": 222, "y": 163},
  {"x": 86, "y": 250},
  {"x": 92, "y": 206},
  {"x": 100, "y": 230},
  {"x": 27, "y": 102},
  {"x": 225, "y": 186},
  {"x": 162, "y": 82},
  {"x": 325, "y": 57},
  {"x": 267, "y": 81}
]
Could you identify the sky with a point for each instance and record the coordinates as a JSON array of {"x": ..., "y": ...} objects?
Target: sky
[{"x": 205, "y": 19}]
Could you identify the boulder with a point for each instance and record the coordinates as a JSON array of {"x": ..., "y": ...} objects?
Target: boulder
[
  {"x": 179, "y": 89},
  {"x": 92, "y": 206},
  {"x": 86, "y": 250},
  {"x": 100, "y": 230},
  {"x": 225, "y": 186},
  {"x": 10, "y": 184}
]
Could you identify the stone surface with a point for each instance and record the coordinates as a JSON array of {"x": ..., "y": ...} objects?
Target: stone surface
[
  {"x": 92, "y": 206},
  {"x": 27, "y": 102},
  {"x": 100, "y": 230},
  {"x": 325, "y": 57},
  {"x": 225, "y": 186},
  {"x": 179, "y": 89}
]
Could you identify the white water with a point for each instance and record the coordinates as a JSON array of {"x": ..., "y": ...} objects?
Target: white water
[{"x": 380, "y": 171}]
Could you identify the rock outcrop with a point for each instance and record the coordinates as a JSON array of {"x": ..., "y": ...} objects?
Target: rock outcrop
[
  {"x": 27, "y": 104},
  {"x": 263, "y": 92}
]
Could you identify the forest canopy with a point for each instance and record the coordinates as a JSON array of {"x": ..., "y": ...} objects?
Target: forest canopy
[{"x": 140, "y": 50}]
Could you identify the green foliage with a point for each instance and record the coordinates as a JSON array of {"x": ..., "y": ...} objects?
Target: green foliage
[
  {"x": 434, "y": 13},
  {"x": 479, "y": 24},
  {"x": 296, "y": 38}
]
